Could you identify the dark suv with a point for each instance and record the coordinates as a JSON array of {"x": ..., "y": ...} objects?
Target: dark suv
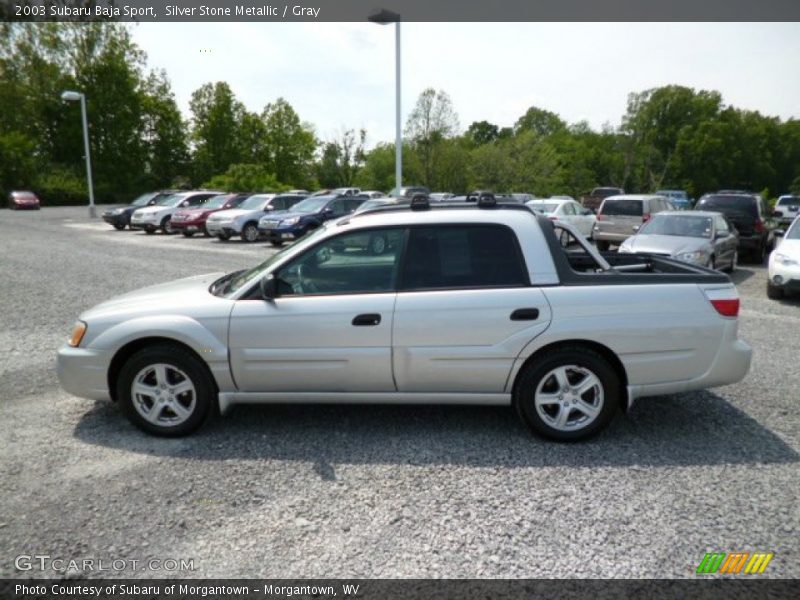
[
  {"x": 749, "y": 214},
  {"x": 287, "y": 225}
]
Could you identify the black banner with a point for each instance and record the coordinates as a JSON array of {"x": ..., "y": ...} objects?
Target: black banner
[
  {"x": 407, "y": 10},
  {"x": 396, "y": 589}
]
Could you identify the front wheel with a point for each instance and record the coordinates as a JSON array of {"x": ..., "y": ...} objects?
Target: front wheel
[
  {"x": 734, "y": 263},
  {"x": 119, "y": 226},
  {"x": 187, "y": 234},
  {"x": 773, "y": 291},
  {"x": 276, "y": 243},
  {"x": 224, "y": 237},
  {"x": 166, "y": 390},
  {"x": 149, "y": 230},
  {"x": 569, "y": 395}
]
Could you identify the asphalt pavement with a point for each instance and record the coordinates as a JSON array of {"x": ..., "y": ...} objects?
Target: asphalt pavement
[{"x": 370, "y": 491}]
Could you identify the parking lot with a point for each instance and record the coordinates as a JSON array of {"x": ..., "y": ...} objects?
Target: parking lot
[{"x": 372, "y": 491}]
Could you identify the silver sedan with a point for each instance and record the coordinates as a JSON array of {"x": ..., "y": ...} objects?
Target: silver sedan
[{"x": 699, "y": 237}]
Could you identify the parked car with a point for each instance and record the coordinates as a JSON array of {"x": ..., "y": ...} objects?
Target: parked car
[
  {"x": 23, "y": 201},
  {"x": 120, "y": 216},
  {"x": 783, "y": 272},
  {"x": 595, "y": 198},
  {"x": 679, "y": 198},
  {"x": 697, "y": 237},
  {"x": 749, "y": 215},
  {"x": 372, "y": 194},
  {"x": 409, "y": 191},
  {"x": 523, "y": 198},
  {"x": 619, "y": 217},
  {"x": 159, "y": 215},
  {"x": 566, "y": 211},
  {"x": 474, "y": 305},
  {"x": 243, "y": 221},
  {"x": 189, "y": 221},
  {"x": 306, "y": 216},
  {"x": 786, "y": 209},
  {"x": 440, "y": 196},
  {"x": 562, "y": 197},
  {"x": 346, "y": 191},
  {"x": 378, "y": 202}
]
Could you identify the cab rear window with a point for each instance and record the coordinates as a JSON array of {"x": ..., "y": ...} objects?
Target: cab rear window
[{"x": 622, "y": 208}]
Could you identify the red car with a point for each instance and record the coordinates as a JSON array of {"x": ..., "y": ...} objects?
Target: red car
[
  {"x": 193, "y": 220},
  {"x": 23, "y": 200}
]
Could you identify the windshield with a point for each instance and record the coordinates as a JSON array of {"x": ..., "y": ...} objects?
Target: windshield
[
  {"x": 215, "y": 202},
  {"x": 794, "y": 231},
  {"x": 172, "y": 200},
  {"x": 542, "y": 207},
  {"x": 254, "y": 202},
  {"x": 310, "y": 205},
  {"x": 142, "y": 200},
  {"x": 605, "y": 192},
  {"x": 683, "y": 226},
  {"x": 789, "y": 200},
  {"x": 232, "y": 282}
]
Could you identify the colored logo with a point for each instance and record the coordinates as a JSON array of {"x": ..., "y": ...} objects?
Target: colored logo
[{"x": 749, "y": 563}]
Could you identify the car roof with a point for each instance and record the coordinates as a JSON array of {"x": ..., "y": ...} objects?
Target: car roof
[
  {"x": 633, "y": 197},
  {"x": 691, "y": 213},
  {"x": 403, "y": 215}
]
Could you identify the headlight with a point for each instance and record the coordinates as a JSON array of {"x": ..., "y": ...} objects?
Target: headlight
[
  {"x": 77, "y": 334},
  {"x": 786, "y": 261},
  {"x": 698, "y": 257},
  {"x": 290, "y": 221}
]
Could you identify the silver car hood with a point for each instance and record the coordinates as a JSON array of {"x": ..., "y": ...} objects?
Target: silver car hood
[
  {"x": 189, "y": 296},
  {"x": 666, "y": 244}
]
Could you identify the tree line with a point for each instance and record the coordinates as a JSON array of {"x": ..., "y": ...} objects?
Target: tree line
[{"x": 671, "y": 136}]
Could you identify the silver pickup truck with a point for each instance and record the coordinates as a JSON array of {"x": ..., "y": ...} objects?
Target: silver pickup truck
[{"x": 461, "y": 304}]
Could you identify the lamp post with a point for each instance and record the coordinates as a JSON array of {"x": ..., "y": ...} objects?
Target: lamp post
[
  {"x": 384, "y": 17},
  {"x": 70, "y": 96}
]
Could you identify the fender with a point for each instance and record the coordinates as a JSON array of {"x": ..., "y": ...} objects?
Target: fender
[{"x": 183, "y": 329}]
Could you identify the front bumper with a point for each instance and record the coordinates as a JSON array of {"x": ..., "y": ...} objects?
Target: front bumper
[
  {"x": 143, "y": 224},
  {"x": 119, "y": 219},
  {"x": 83, "y": 372},
  {"x": 785, "y": 277},
  {"x": 193, "y": 226},
  {"x": 226, "y": 227},
  {"x": 281, "y": 233}
]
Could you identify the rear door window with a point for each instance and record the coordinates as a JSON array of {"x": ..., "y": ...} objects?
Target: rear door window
[
  {"x": 623, "y": 208},
  {"x": 463, "y": 256}
]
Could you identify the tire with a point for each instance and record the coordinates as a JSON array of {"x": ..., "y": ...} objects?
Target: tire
[
  {"x": 773, "y": 291},
  {"x": 152, "y": 371},
  {"x": 223, "y": 237},
  {"x": 378, "y": 244},
  {"x": 187, "y": 234},
  {"x": 602, "y": 246},
  {"x": 734, "y": 263},
  {"x": 276, "y": 243},
  {"x": 166, "y": 225},
  {"x": 250, "y": 233},
  {"x": 149, "y": 230},
  {"x": 712, "y": 263},
  {"x": 205, "y": 232},
  {"x": 540, "y": 400},
  {"x": 119, "y": 226}
]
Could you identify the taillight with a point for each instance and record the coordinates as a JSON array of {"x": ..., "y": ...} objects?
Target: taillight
[
  {"x": 727, "y": 308},
  {"x": 601, "y": 218},
  {"x": 759, "y": 226},
  {"x": 645, "y": 217},
  {"x": 724, "y": 300}
]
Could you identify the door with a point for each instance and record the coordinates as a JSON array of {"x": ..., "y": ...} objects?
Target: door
[
  {"x": 329, "y": 329},
  {"x": 464, "y": 309},
  {"x": 725, "y": 242}
]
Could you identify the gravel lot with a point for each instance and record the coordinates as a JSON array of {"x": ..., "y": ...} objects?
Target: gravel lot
[{"x": 327, "y": 491}]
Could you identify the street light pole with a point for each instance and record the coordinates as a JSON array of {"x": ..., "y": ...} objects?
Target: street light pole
[
  {"x": 384, "y": 17},
  {"x": 72, "y": 97}
]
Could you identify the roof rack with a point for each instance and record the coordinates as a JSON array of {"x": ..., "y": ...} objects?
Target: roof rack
[{"x": 439, "y": 206}]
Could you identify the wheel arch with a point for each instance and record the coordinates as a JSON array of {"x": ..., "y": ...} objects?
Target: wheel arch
[
  {"x": 132, "y": 347},
  {"x": 597, "y": 347}
]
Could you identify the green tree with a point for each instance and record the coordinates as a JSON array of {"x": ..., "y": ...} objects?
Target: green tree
[
  {"x": 482, "y": 132},
  {"x": 164, "y": 132},
  {"x": 432, "y": 120},
  {"x": 289, "y": 143},
  {"x": 341, "y": 160},
  {"x": 541, "y": 122},
  {"x": 216, "y": 123},
  {"x": 245, "y": 177}
]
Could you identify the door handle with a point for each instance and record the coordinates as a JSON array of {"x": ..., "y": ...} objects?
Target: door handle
[
  {"x": 525, "y": 314},
  {"x": 367, "y": 319}
]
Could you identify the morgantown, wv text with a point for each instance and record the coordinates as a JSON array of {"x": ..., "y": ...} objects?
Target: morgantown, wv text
[{"x": 182, "y": 589}]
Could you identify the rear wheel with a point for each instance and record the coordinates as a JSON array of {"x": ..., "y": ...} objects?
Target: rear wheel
[
  {"x": 773, "y": 291},
  {"x": 166, "y": 225},
  {"x": 250, "y": 233},
  {"x": 602, "y": 246},
  {"x": 224, "y": 237},
  {"x": 166, "y": 390},
  {"x": 570, "y": 394}
]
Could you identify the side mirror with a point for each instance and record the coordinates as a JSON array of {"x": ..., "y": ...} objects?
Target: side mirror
[
  {"x": 327, "y": 212},
  {"x": 184, "y": 204},
  {"x": 636, "y": 228},
  {"x": 779, "y": 233},
  {"x": 269, "y": 287}
]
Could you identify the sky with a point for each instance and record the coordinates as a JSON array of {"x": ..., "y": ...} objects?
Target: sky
[{"x": 341, "y": 76}]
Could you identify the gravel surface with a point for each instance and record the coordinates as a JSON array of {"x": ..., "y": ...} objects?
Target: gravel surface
[{"x": 359, "y": 491}]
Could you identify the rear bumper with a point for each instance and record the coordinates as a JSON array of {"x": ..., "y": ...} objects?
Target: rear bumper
[
  {"x": 83, "y": 372},
  {"x": 730, "y": 365}
]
